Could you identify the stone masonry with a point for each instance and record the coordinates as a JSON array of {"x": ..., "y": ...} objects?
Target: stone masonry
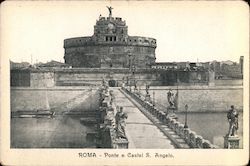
[{"x": 110, "y": 47}]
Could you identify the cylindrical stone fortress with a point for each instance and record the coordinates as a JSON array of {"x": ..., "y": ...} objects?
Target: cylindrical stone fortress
[{"x": 110, "y": 47}]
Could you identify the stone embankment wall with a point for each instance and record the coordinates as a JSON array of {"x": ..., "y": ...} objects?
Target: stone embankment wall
[
  {"x": 42, "y": 79},
  {"x": 32, "y": 78},
  {"x": 96, "y": 77},
  {"x": 153, "y": 77},
  {"x": 59, "y": 99},
  {"x": 200, "y": 98},
  {"x": 92, "y": 76}
]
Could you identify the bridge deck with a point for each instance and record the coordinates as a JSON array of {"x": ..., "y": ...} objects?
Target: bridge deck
[{"x": 141, "y": 132}]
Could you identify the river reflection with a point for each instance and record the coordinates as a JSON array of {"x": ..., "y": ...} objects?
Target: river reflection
[
  {"x": 211, "y": 126},
  {"x": 59, "y": 132},
  {"x": 67, "y": 131}
]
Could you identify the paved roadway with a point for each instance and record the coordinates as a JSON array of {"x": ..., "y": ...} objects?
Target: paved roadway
[{"x": 141, "y": 132}]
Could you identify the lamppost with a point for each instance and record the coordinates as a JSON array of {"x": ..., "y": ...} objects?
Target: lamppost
[
  {"x": 186, "y": 108},
  {"x": 177, "y": 93},
  {"x": 130, "y": 68},
  {"x": 153, "y": 98},
  {"x": 147, "y": 96},
  {"x": 139, "y": 91},
  {"x": 133, "y": 76}
]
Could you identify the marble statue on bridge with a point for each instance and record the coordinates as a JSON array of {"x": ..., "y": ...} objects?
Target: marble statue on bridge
[
  {"x": 120, "y": 123},
  {"x": 232, "y": 117},
  {"x": 172, "y": 99},
  {"x": 232, "y": 140}
]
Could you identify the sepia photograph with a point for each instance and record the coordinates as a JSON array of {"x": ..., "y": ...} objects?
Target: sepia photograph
[{"x": 127, "y": 75}]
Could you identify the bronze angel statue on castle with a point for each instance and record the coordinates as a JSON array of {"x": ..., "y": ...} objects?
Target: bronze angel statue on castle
[{"x": 110, "y": 10}]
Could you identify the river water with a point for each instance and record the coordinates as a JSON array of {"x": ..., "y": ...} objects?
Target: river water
[
  {"x": 211, "y": 125},
  {"x": 67, "y": 131},
  {"x": 60, "y": 132}
]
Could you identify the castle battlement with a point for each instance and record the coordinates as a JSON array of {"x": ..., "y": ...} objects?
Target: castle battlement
[
  {"x": 130, "y": 40},
  {"x": 77, "y": 41},
  {"x": 106, "y": 20}
]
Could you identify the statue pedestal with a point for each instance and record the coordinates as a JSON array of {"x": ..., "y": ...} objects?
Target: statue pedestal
[
  {"x": 171, "y": 112},
  {"x": 231, "y": 142},
  {"x": 120, "y": 144},
  {"x": 147, "y": 97},
  {"x": 135, "y": 90}
]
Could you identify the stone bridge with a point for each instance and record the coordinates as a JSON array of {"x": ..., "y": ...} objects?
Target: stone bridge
[{"x": 146, "y": 125}]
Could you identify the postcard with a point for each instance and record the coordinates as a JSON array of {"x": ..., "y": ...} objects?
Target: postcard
[{"x": 124, "y": 83}]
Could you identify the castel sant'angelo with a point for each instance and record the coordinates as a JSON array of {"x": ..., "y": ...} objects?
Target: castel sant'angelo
[
  {"x": 110, "y": 47},
  {"x": 111, "y": 54}
]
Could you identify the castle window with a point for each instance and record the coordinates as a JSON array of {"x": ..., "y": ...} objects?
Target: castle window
[
  {"x": 135, "y": 40},
  {"x": 111, "y": 38},
  {"x": 115, "y": 38},
  {"x": 106, "y": 38}
]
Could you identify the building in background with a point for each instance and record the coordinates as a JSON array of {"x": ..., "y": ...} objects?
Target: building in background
[
  {"x": 22, "y": 65},
  {"x": 241, "y": 64},
  {"x": 164, "y": 65},
  {"x": 52, "y": 65},
  {"x": 228, "y": 69}
]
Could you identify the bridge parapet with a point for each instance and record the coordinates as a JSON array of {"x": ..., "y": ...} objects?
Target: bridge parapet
[
  {"x": 108, "y": 134},
  {"x": 199, "y": 142},
  {"x": 191, "y": 138},
  {"x": 181, "y": 131}
]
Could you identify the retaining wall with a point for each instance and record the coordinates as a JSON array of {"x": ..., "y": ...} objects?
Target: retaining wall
[
  {"x": 201, "y": 98},
  {"x": 31, "y": 99}
]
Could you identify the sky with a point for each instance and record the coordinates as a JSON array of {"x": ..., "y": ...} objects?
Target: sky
[{"x": 185, "y": 30}]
